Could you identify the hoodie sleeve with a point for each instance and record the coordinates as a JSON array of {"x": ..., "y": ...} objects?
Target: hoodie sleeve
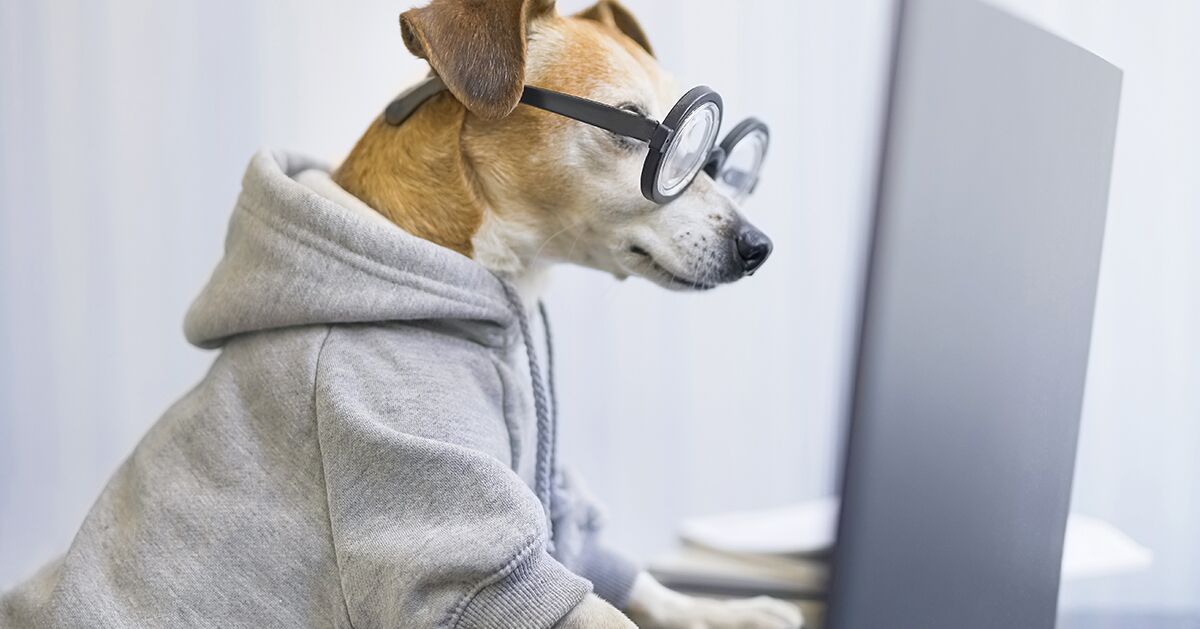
[
  {"x": 578, "y": 523},
  {"x": 429, "y": 525}
]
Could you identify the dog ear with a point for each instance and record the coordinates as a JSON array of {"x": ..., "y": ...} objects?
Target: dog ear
[
  {"x": 611, "y": 12},
  {"x": 477, "y": 47}
]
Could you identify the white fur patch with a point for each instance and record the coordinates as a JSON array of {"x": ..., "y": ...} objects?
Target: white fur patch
[{"x": 493, "y": 248}]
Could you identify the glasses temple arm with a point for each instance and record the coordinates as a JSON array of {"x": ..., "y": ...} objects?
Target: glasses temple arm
[
  {"x": 410, "y": 99},
  {"x": 619, "y": 121},
  {"x": 609, "y": 118}
]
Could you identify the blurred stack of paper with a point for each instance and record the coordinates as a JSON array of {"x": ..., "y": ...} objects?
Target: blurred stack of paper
[
  {"x": 1095, "y": 548},
  {"x": 784, "y": 552}
]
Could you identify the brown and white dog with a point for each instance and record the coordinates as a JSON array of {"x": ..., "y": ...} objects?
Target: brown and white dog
[{"x": 519, "y": 189}]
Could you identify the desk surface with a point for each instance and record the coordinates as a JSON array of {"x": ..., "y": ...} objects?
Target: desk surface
[
  {"x": 813, "y": 614},
  {"x": 810, "y": 602},
  {"x": 1127, "y": 620}
]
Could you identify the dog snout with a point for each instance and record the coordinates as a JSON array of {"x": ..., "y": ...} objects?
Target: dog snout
[{"x": 753, "y": 247}]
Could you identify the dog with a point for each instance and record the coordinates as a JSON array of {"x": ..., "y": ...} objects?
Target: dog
[
  {"x": 519, "y": 190},
  {"x": 374, "y": 444}
]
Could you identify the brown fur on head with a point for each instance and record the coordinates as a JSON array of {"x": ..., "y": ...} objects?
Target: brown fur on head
[{"x": 516, "y": 187}]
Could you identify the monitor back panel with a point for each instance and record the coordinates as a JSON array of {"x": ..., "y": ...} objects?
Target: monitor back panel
[{"x": 976, "y": 324}]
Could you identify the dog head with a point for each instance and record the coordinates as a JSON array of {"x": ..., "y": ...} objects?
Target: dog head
[{"x": 552, "y": 189}]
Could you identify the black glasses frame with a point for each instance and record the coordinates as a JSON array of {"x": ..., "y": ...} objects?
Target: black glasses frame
[
  {"x": 716, "y": 160},
  {"x": 658, "y": 135}
]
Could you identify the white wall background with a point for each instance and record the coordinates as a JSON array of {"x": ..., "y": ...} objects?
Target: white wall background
[{"x": 124, "y": 128}]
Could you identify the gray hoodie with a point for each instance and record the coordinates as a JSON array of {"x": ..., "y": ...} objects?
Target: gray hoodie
[{"x": 365, "y": 450}]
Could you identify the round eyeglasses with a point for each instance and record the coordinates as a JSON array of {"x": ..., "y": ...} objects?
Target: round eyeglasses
[{"x": 680, "y": 147}]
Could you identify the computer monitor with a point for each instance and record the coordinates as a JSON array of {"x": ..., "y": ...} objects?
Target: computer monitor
[{"x": 976, "y": 323}]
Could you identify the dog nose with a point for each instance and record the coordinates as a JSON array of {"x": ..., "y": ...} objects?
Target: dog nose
[{"x": 753, "y": 248}]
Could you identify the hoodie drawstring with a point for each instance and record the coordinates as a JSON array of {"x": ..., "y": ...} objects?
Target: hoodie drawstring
[
  {"x": 553, "y": 394},
  {"x": 546, "y": 419}
]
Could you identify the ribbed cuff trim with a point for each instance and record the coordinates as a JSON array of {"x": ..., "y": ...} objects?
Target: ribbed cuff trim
[
  {"x": 612, "y": 575},
  {"x": 537, "y": 592}
]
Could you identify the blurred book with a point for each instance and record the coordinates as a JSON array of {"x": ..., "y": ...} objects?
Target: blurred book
[
  {"x": 784, "y": 551},
  {"x": 702, "y": 570}
]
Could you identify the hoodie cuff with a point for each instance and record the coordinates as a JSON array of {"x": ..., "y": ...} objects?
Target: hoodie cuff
[
  {"x": 538, "y": 592},
  {"x": 612, "y": 574}
]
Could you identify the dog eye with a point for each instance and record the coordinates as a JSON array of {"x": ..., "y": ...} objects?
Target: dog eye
[
  {"x": 629, "y": 144},
  {"x": 634, "y": 108}
]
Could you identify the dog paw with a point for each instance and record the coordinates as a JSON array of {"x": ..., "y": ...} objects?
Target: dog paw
[
  {"x": 686, "y": 612},
  {"x": 594, "y": 613},
  {"x": 653, "y": 606},
  {"x": 761, "y": 612}
]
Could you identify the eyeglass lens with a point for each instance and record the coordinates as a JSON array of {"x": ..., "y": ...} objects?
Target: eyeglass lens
[
  {"x": 739, "y": 173},
  {"x": 689, "y": 149}
]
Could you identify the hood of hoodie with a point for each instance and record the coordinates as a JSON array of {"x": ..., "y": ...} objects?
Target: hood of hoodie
[{"x": 293, "y": 258}]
